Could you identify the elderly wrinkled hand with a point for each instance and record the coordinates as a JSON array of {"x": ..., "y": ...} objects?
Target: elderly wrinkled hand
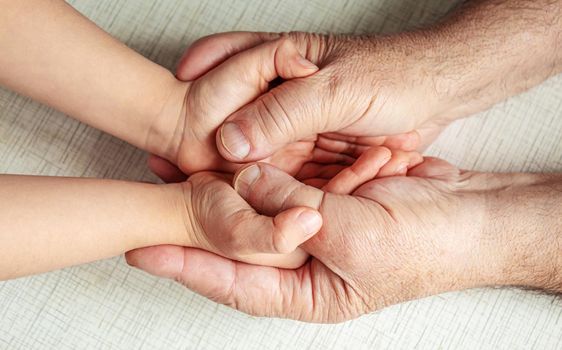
[{"x": 393, "y": 239}]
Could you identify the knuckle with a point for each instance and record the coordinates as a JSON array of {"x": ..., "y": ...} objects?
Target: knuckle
[{"x": 273, "y": 118}]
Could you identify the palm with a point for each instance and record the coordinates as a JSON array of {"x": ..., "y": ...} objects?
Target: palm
[{"x": 386, "y": 243}]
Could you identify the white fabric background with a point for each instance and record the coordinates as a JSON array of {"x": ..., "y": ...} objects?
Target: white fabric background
[{"x": 109, "y": 305}]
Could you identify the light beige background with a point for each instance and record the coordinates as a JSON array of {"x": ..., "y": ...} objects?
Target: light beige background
[{"x": 109, "y": 305}]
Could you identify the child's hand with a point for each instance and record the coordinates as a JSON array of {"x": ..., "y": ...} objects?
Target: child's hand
[
  {"x": 217, "y": 219},
  {"x": 185, "y": 131}
]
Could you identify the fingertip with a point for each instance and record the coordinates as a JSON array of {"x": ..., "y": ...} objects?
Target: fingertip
[
  {"x": 382, "y": 154},
  {"x": 409, "y": 141},
  {"x": 290, "y": 63},
  {"x": 163, "y": 261},
  {"x": 306, "y": 64},
  {"x": 245, "y": 178},
  {"x": 296, "y": 226},
  {"x": 415, "y": 159},
  {"x": 165, "y": 170},
  {"x": 232, "y": 143},
  {"x": 311, "y": 221}
]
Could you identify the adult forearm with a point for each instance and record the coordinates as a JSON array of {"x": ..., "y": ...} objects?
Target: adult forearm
[
  {"x": 53, "y": 54},
  {"x": 522, "y": 239},
  {"x": 48, "y": 223},
  {"x": 488, "y": 50}
]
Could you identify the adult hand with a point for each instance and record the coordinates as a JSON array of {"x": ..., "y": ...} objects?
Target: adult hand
[
  {"x": 394, "y": 239},
  {"x": 237, "y": 54},
  {"x": 370, "y": 86}
]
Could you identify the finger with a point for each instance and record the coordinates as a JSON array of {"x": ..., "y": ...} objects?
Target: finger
[
  {"x": 364, "y": 169},
  {"x": 399, "y": 163},
  {"x": 285, "y": 114},
  {"x": 270, "y": 190},
  {"x": 409, "y": 141},
  {"x": 435, "y": 168},
  {"x": 340, "y": 147},
  {"x": 165, "y": 170},
  {"x": 287, "y": 230},
  {"x": 323, "y": 171},
  {"x": 358, "y": 140},
  {"x": 210, "y": 51},
  {"x": 315, "y": 182},
  {"x": 256, "y": 290},
  {"x": 331, "y": 157}
]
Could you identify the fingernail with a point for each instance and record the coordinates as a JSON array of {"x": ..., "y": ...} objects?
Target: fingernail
[
  {"x": 306, "y": 63},
  {"x": 311, "y": 221},
  {"x": 234, "y": 140},
  {"x": 246, "y": 179},
  {"x": 402, "y": 168}
]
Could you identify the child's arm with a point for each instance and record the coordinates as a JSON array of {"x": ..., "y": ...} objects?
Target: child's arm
[
  {"x": 48, "y": 223},
  {"x": 50, "y": 52}
]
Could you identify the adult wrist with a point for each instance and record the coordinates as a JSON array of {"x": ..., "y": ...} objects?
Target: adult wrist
[
  {"x": 522, "y": 233},
  {"x": 488, "y": 51}
]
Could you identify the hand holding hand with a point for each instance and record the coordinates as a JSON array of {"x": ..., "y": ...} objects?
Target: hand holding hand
[
  {"x": 394, "y": 239},
  {"x": 364, "y": 91},
  {"x": 377, "y": 247}
]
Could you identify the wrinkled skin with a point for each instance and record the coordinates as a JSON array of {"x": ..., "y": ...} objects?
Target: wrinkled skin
[
  {"x": 393, "y": 239},
  {"x": 222, "y": 77},
  {"x": 365, "y": 89}
]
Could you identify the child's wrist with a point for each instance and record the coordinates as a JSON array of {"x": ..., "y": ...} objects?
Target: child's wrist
[
  {"x": 166, "y": 129},
  {"x": 174, "y": 228}
]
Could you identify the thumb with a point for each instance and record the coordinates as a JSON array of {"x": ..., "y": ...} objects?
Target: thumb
[
  {"x": 269, "y": 190},
  {"x": 230, "y": 86},
  {"x": 290, "y": 112},
  {"x": 435, "y": 168},
  {"x": 247, "y": 75},
  {"x": 210, "y": 51}
]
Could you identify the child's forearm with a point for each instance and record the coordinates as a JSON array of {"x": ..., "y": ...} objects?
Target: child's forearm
[
  {"x": 53, "y": 54},
  {"x": 48, "y": 223}
]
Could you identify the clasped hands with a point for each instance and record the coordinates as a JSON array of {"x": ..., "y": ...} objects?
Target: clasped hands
[
  {"x": 346, "y": 213},
  {"x": 375, "y": 236}
]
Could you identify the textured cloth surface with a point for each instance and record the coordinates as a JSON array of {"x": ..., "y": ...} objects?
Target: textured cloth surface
[{"x": 111, "y": 306}]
